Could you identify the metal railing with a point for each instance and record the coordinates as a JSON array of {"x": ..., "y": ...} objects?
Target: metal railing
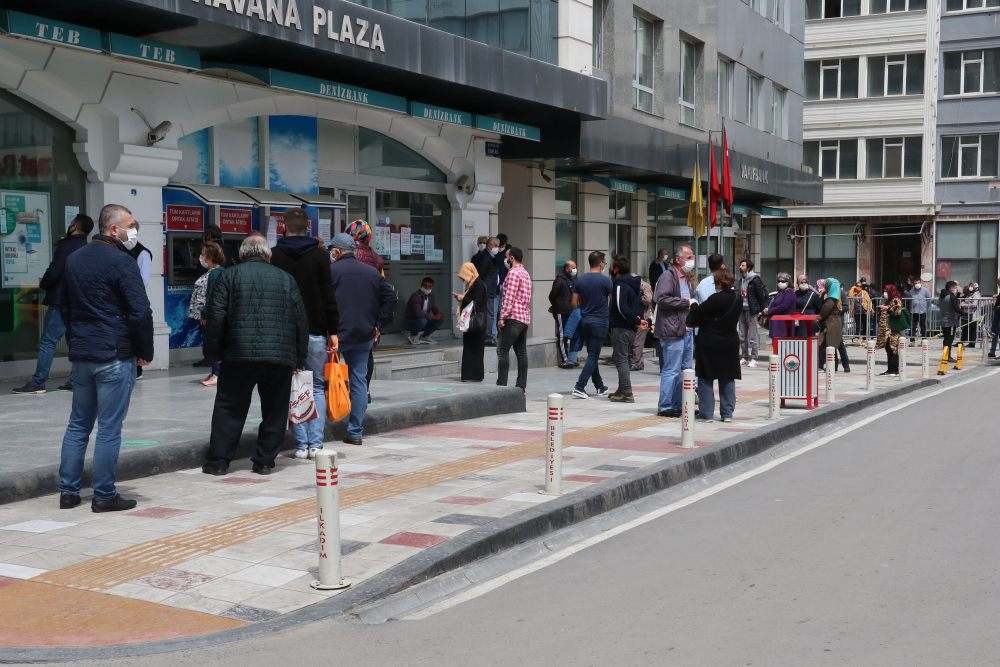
[{"x": 976, "y": 321}]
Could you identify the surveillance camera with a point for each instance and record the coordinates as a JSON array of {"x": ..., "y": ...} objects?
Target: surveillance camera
[
  {"x": 462, "y": 184},
  {"x": 159, "y": 132}
]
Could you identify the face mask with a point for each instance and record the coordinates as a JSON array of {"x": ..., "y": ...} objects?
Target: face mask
[
  {"x": 494, "y": 251},
  {"x": 333, "y": 256},
  {"x": 482, "y": 246},
  {"x": 425, "y": 291},
  {"x": 782, "y": 285},
  {"x": 803, "y": 286},
  {"x": 689, "y": 265},
  {"x": 572, "y": 272},
  {"x": 885, "y": 295},
  {"x": 917, "y": 285},
  {"x": 201, "y": 260},
  {"x": 506, "y": 263},
  {"x": 131, "y": 238}
]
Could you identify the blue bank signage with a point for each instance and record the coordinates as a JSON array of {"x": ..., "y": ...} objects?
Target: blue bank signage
[
  {"x": 440, "y": 114},
  {"x": 143, "y": 49},
  {"x": 622, "y": 186},
  {"x": 671, "y": 193},
  {"x": 46, "y": 30},
  {"x": 338, "y": 91},
  {"x": 508, "y": 128}
]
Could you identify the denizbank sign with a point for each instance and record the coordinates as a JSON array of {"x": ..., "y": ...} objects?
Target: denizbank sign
[
  {"x": 508, "y": 128},
  {"x": 440, "y": 114},
  {"x": 338, "y": 91}
]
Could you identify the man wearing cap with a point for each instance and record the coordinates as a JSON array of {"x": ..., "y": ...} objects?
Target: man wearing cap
[
  {"x": 920, "y": 301},
  {"x": 361, "y": 232},
  {"x": 368, "y": 300}
]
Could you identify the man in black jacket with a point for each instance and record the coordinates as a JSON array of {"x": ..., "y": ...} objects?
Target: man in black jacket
[
  {"x": 657, "y": 267},
  {"x": 309, "y": 264},
  {"x": 53, "y": 327},
  {"x": 624, "y": 318},
  {"x": 561, "y": 298},
  {"x": 485, "y": 263},
  {"x": 370, "y": 300}
]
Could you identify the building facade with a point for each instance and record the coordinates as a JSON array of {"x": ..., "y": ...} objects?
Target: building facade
[{"x": 436, "y": 125}]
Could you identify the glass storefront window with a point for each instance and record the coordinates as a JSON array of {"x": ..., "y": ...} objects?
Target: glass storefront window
[
  {"x": 566, "y": 198},
  {"x": 42, "y": 181},
  {"x": 967, "y": 251},
  {"x": 566, "y": 243},
  {"x": 776, "y": 253},
  {"x": 831, "y": 252},
  {"x": 381, "y": 156}
]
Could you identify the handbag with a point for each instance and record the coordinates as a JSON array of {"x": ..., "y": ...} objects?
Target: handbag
[
  {"x": 899, "y": 323},
  {"x": 338, "y": 392},
  {"x": 301, "y": 403},
  {"x": 465, "y": 317},
  {"x": 477, "y": 320}
]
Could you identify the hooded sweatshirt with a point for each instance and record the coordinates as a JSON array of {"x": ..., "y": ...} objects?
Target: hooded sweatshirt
[
  {"x": 626, "y": 303},
  {"x": 309, "y": 264},
  {"x": 752, "y": 289}
]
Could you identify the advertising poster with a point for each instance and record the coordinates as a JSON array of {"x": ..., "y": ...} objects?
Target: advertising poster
[{"x": 26, "y": 235}]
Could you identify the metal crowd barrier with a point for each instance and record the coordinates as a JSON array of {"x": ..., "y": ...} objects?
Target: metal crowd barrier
[{"x": 976, "y": 322}]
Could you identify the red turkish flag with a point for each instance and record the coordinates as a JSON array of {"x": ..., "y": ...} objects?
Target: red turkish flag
[
  {"x": 727, "y": 181},
  {"x": 713, "y": 188}
]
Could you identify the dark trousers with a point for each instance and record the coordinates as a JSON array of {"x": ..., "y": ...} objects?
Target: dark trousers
[
  {"x": 562, "y": 343},
  {"x": 595, "y": 335},
  {"x": 918, "y": 320},
  {"x": 949, "y": 339},
  {"x": 514, "y": 334},
  {"x": 893, "y": 359},
  {"x": 232, "y": 402}
]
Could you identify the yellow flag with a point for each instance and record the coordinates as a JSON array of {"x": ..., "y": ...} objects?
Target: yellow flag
[{"x": 696, "y": 209}]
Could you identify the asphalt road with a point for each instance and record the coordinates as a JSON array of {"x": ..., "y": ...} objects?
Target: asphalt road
[{"x": 878, "y": 548}]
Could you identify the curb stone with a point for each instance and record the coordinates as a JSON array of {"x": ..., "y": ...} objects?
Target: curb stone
[{"x": 508, "y": 534}]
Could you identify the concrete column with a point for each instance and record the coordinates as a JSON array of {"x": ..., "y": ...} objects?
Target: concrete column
[
  {"x": 755, "y": 237},
  {"x": 576, "y": 34},
  {"x": 592, "y": 224},
  {"x": 927, "y": 260},
  {"x": 528, "y": 218},
  {"x": 639, "y": 256},
  {"x": 865, "y": 258},
  {"x": 800, "y": 251}
]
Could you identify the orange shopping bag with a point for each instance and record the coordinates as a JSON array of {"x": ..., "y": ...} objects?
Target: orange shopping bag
[{"x": 338, "y": 392}]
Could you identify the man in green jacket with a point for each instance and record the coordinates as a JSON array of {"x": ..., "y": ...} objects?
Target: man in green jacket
[{"x": 255, "y": 324}]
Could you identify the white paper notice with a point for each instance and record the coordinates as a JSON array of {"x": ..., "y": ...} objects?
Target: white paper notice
[
  {"x": 404, "y": 241},
  {"x": 438, "y": 255},
  {"x": 417, "y": 244},
  {"x": 429, "y": 245},
  {"x": 71, "y": 212},
  {"x": 382, "y": 231},
  {"x": 324, "y": 229},
  {"x": 394, "y": 247},
  {"x": 272, "y": 231}
]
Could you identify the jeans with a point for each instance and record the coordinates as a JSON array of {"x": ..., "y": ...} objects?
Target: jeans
[
  {"x": 101, "y": 393},
  {"x": 497, "y": 303},
  {"x": 52, "y": 330},
  {"x": 594, "y": 335},
  {"x": 575, "y": 345},
  {"x": 749, "y": 340},
  {"x": 621, "y": 342},
  {"x": 310, "y": 434},
  {"x": 491, "y": 318},
  {"x": 706, "y": 399},
  {"x": 678, "y": 354},
  {"x": 428, "y": 326},
  {"x": 918, "y": 321},
  {"x": 356, "y": 357},
  {"x": 514, "y": 334}
]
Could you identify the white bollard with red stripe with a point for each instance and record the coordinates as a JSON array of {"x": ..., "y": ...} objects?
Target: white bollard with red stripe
[
  {"x": 831, "y": 361},
  {"x": 687, "y": 409},
  {"x": 553, "y": 460},
  {"x": 328, "y": 517},
  {"x": 773, "y": 410},
  {"x": 902, "y": 358},
  {"x": 870, "y": 379},
  {"x": 925, "y": 358}
]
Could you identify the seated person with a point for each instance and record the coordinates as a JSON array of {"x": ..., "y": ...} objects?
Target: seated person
[{"x": 422, "y": 316}]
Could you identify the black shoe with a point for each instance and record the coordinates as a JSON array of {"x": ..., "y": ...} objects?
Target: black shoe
[
  {"x": 210, "y": 469},
  {"x": 490, "y": 343},
  {"x": 204, "y": 363},
  {"x": 669, "y": 414},
  {"x": 30, "y": 388},
  {"x": 619, "y": 397},
  {"x": 261, "y": 469},
  {"x": 138, "y": 372},
  {"x": 352, "y": 441},
  {"x": 68, "y": 501},
  {"x": 369, "y": 399},
  {"x": 116, "y": 504},
  {"x": 66, "y": 387},
  {"x": 566, "y": 366}
]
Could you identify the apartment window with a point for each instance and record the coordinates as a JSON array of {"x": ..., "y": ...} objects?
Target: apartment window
[
  {"x": 969, "y": 156},
  {"x": 890, "y": 6},
  {"x": 755, "y": 5},
  {"x": 598, "y": 33},
  {"x": 893, "y": 157},
  {"x": 895, "y": 75},
  {"x": 962, "y": 5},
  {"x": 754, "y": 84},
  {"x": 725, "y": 88},
  {"x": 831, "y": 9},
  {"x": 831, "y": 251},
  {"x": 643, "y": 82},
  {"x": 778, "y": 111},
  {"x": 777, "y": 13},
  {"x": 967, "y": 251},
  {"x": 970, "y": 72},
  {"x": 835, "y": 159},
  {"x": 688, "y": 67},
  {"x": 831, "y": 79}
]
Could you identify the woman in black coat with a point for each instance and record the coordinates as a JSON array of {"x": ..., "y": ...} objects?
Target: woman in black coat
[
  {"x": 473, "y": 342},
  {"x": 717, "y": 347}
]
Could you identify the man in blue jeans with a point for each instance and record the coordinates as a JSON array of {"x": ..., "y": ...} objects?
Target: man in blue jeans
[
  {"x": 109, "y": 328},
  {"x": 53, "y": 328},
  {"x": 590, "y": 294},
  {"x": 674, "y": 297},
  {"x": 362, "y": 292},
  {"x": 297, "y": 254},
  {"x": 422, "y": 317}
]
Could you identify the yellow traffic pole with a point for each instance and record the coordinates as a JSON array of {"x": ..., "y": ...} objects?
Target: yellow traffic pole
[
  {"x": 958, "y": 363},
  {"x": 944, "y": 362}
]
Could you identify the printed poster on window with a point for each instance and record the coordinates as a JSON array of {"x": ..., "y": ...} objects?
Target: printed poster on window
[
  {"x": 394, "y": 247},
  {"x": 26, "y": 235},
  {"x": 383, "y": 243},
  {"x": 404, "y": 240},
  {"x": 416, "y": 244}
]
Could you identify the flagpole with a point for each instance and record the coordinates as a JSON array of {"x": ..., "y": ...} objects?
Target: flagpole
[{"x": 694, "y": 230}]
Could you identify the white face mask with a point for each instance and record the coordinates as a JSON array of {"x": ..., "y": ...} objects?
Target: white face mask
[
  {"x": 482, "y": 246},
  {"x": 572, "y": 272},
  {"x": 803, "y": 286},
  {"x": 506, "y": 263},
  {"x": 689, "y": 265},
  {"x": 132, "y": 237},
  {"x": 201, "y": 260},
  {"x": 494, "y": 251},
  {"x": 782, "y": 285},
  {"x": 885, "y": 295},
  {"x": 425, "y": 291},
  {"x": 917, "y": 285}
]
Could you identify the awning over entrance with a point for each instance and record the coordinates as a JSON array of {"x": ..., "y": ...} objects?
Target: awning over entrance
[
  {"x": 217, "y": 195},
  {"x": 255, "y": 197},
  {"x": 321, "y": 201}
]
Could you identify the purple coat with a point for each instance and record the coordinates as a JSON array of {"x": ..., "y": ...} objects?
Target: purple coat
[{"x": 783, "y": 303}]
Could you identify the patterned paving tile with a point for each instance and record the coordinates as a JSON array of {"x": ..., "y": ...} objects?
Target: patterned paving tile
[
  {"x": 472, "y": 433},
  {"x": 369, "y": 475},
  {"x": 465, "y": 519},
  {"x": 483, "y": 478},
  {"x": 392, "y": 457},
  {"x": 583, "y": 478},
  {"x": 159, "y": 513},
  {"x": 267, "y": 575},
  {"x": 250, "y": 614},
  {"x": 611, "y": 468},
  {"x": 347, "y": 547},
  {"x": 236, "y": 481},
  {"x": 38, "y": 526},
  {"x": 419, "y": 540},
  {"x": 7, "y": 581},
  {"x": 19, "y": 571},
  {"x": 174, "y": 580},
  {"x": 264, "y": 501},
  {"x": 463, "y": 500},
  {"x": 527, "y": 497}
]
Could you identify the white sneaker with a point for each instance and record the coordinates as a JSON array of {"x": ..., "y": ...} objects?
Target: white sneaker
[
  {"x": 312, "y": 451},
  {"x": 426, "y": 340},
  {"x": 752, "y": 364},
  {"x": 578, "y": 393},
  {"x": 743, "y": 362},
  {"x": 414, "y": 340},
  {"x": 301, "y": 453}
]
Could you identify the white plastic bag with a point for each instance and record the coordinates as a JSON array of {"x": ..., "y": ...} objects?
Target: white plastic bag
[
  {"x": 301, "y": 404},
  {"x": 465, "y": 318}
]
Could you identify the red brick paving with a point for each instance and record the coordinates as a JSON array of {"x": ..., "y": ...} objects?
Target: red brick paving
[
  {"x": 239, "y": 480},
  {"x": 160, "y": 513},
  {"x": 419, "y": 540},
  {"x": 7, "y": 581},
  {"x": 464, "y": 500},
  {"x": 583, "y": 478}
]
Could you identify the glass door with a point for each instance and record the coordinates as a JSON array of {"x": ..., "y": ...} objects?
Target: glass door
[{"x": 358, "y": 207}]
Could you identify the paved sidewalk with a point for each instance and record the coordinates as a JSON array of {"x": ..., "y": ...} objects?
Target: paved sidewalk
[{"x": 202, "y": 554}]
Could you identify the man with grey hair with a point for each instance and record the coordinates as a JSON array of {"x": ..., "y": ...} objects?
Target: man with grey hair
[
  {"x": 256, "y": 324},
  {"x": 485, "y": 263},
  {"x": 109, "y": 328},
  {"x": 673, "y": 296}
]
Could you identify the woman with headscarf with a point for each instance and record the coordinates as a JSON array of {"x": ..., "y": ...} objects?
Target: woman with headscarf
[
  {"x": 473, "y": 342},
  {"x": 783, "y": 303},
  {"x": 831, "y": 327},
  {"x": 807, "y": 302},
  {"x": 889, "y": 330}
]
